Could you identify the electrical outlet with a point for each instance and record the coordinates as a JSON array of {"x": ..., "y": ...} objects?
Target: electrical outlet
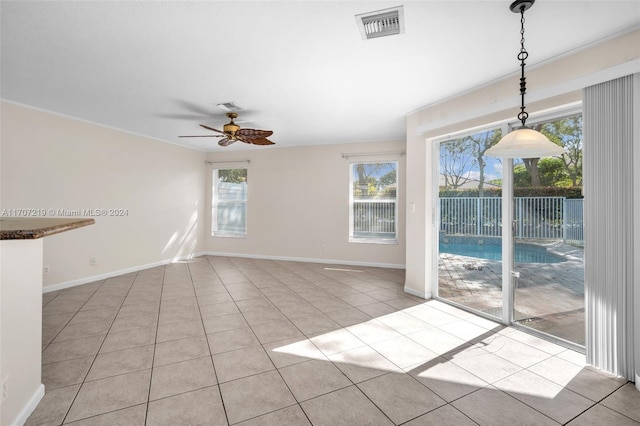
[
  {"x": 45, "y": 270},
  {"x": 5, "y": 388},
  {"x": 92, "y": 261}
]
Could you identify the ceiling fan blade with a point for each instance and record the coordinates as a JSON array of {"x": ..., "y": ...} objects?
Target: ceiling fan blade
[
  {"x": 225, "y": 142},
  {"x": 242, "y": 138},
  {"x": 211, "y": 128},
  {"x": 254, "y": 139},
  {"x": 254, "y": 133},
  {"x": 202, "y": 136},
  {"x": 261, "y": 141}
]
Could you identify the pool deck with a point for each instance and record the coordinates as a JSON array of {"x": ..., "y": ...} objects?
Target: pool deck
[{"x": 549, "y": 296}]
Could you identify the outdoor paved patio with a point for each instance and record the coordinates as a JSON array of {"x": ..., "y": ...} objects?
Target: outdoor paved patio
[{"x": 549, "y": 296}]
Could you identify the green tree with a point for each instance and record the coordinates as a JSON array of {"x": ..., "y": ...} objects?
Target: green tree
[
  {"x": 553, "y": 173},
  {"x": 521, "y": 176},
  {"x": 232, "y": 175},
  {"x": 531, "y": 164},
  {"x": 365, "y": 181},
  {"x": 567, "y": 132},
  {"x": 389, "y": 178},
  {"x": 457, "y": 159},
  {"x": 389, "y": 183},
  {"x": 481, "y": 143}
]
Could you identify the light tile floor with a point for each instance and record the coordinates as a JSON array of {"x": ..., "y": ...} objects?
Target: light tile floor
[{"x": 220, "y": 341}]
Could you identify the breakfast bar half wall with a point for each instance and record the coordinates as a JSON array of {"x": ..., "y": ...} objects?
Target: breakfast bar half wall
[{"x": 21, "y": 267}]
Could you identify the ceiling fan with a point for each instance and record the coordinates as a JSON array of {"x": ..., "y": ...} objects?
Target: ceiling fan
[{"x": 231, "y": 133}]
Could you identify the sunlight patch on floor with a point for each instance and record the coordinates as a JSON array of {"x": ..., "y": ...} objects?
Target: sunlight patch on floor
[{"x": 450, "y": 370}]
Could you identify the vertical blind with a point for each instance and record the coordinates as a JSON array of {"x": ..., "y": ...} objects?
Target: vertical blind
[{"x": 608, "y": 113}]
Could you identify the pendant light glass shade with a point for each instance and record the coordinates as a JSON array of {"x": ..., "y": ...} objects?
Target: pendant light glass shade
[{"x": 524, "y": 142}]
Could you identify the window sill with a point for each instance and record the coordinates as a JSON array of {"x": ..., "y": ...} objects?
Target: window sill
[{"x": 373, "y": 241}]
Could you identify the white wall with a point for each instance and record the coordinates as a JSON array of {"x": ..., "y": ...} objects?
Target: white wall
[
  {"x": 53, "y": 162},
  {"x": 419, "y": 220},
  {"x": 298, "y": 202}
]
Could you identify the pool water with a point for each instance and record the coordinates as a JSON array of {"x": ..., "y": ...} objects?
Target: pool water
[{"x": 524, "y": 253}]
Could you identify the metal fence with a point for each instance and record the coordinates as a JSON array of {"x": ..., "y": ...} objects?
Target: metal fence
[
  {"x": 374, "y": 218},
  {"x": 573, "y": 221},
  {"x": 536, "y": 217}
]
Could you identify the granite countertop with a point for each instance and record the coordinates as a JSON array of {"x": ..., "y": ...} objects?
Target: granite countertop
[{"x": 21, "y": 228}]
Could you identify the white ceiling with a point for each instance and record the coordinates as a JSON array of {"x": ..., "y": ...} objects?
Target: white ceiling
[{"x": 300, "y": 68}]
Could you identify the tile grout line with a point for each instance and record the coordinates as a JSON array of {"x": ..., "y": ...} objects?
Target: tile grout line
[
  {"x": 277, "y": 369},
  {"x": 155, "y": 343},
  {"x": 341, "y": 372},
  {"x": 84, "y": 380},
  {"x": 72, "y": 317},
  {"x": 224, "y": 407},
  {"x": 92, "y": 362},
  {"x": 272, "y": 363}
]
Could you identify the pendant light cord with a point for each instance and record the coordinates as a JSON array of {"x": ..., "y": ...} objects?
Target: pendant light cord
[{"x": 522, "y": 115}]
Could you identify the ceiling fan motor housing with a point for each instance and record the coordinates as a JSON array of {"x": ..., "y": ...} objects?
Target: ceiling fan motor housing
[{"x": 231, "y": 127}]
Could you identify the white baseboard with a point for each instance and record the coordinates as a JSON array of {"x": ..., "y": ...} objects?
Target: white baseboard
[
  {"x": 94, "y": 278},
  {"x": 306, "y": 259},
  {"x": 414, "y": 292},
  {"x": 26, "y": 411}
]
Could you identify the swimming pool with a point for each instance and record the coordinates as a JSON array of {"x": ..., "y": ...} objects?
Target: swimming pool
[{"x": 524, "y": 253}]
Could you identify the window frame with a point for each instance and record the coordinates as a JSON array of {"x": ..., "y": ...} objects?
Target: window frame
[
  {"x": 215, "y": 202},
  {"x": 353, "y": 202}
]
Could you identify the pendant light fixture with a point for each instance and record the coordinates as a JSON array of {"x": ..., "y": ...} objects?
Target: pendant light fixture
[{"x": 523, "y": 142}]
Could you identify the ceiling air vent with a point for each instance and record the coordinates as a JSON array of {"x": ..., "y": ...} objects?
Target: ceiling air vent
[
  {"x": 230, "y": 106},
  {"x": 381, "y": 23}
]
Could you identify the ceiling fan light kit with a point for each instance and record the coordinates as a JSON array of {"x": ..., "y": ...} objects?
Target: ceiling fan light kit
[{"x": 523, "y": 142}]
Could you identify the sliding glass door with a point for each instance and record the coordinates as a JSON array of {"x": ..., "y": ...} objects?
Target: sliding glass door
[{"x": 510, "y": 240}]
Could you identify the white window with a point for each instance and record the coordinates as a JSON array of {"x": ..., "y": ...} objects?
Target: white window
[
  {"x": 373, "y": 202},
  {"x": 229, "y": 203}
]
